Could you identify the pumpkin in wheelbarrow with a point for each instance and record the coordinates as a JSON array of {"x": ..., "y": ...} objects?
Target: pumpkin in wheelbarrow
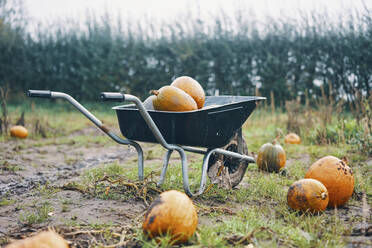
[
  {"x": 148, "y": 103},
  {"x": 191, "y": 87},
  {"x": 171, "y": 213},
  {"x": 170, "y": 98}
]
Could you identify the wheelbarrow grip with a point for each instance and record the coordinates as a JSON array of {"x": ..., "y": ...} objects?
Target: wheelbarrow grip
[
  {"x": 112, "y": 96},
  {"x": 39, "y": 93}
]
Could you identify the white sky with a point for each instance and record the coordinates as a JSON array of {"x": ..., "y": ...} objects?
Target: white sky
[{"x": 51, "y": 11}]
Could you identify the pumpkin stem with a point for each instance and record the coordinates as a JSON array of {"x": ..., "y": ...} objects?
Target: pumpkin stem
[
  {"x": 276, "y": 140},
  {"x": 154, "y": 92},
  {"x": 323, "y": 195}
]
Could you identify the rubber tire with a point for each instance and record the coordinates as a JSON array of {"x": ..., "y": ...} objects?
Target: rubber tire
[{"x": 236, "y": 167}]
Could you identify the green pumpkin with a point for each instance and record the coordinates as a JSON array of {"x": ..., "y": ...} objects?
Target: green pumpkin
[{"x": 271, "y": 157}]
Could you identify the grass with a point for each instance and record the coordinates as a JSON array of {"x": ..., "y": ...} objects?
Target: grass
[
  {"x": 57, "y": 118},
  {"x": 40, "y": 214},
  {"x": 46, "y": 191},
  {"x": 260, "y": 207},
  {"x": 7, "y": 202},
  {"x": 6, "y": 166},
  {"x": 254, "y": 213}
]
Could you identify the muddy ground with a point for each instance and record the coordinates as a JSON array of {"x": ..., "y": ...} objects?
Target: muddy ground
[{"x": 25, "y": 166}]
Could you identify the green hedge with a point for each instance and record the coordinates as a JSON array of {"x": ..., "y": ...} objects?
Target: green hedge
[{"x": 233, "y": 56}]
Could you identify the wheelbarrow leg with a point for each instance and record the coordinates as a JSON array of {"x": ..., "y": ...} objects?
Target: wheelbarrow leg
[
  {"x": 140, "y": 161},
  {"x": 138, "y": 149},
  {"x": 165, "y": 167},
  {"x": 185, "y": 172}
]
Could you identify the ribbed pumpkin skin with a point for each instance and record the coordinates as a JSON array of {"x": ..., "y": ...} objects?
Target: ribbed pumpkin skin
[
  {"x": 292, "y": 138},
  {"x": 191, "y": 87},
  {"x": 308, "y": 195},
  {"x": 169, "y": 98},
  {"x": 336, "y": 176},
  {"x": 271, "y": 157},
  {"x": 47, "y": 239},
  {"x": 19, "y": 132},
  {"x": 174, "y": 213}
]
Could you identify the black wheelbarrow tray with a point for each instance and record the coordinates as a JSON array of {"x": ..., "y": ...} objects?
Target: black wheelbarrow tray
[{"x": 211, "y": 127}]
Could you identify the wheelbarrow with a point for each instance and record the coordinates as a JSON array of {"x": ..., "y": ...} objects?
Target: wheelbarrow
[{"x": 213, "y": 131}]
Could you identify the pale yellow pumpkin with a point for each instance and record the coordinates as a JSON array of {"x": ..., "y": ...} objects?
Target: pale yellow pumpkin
[
  {"x": 46, "y": 239},
  {"x": 292, "y": 138},
  {"x": 172, "y": 213}
]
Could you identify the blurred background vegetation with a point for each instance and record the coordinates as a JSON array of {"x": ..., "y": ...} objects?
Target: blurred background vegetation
[{"x": 305, "y": 59}]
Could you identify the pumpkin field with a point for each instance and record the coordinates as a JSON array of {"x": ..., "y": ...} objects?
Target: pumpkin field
[
  {"x": 253, "y": 122},
  {"x": 69, "y": 177}
]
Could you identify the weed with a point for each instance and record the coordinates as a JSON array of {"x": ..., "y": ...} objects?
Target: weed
[
  {"x": 65, "y": 204},
  {"x": 95, "y": 174},
  {"x": 46, "y": 191},
  {"x": 39, "y": 215},
  {"x": 6, "y": 202},
  {"x": 6, "y": 166}
]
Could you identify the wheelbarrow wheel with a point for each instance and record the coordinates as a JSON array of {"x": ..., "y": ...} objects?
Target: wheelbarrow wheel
[{"x": 226, "y": 170}]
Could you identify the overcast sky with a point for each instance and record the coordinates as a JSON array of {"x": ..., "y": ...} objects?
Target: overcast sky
[{"x": 49, "y": 10}]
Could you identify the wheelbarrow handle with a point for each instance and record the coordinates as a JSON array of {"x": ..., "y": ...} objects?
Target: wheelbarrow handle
[
  {"x": 112, "y": 96},
  {"x": 39, "y": 93}
]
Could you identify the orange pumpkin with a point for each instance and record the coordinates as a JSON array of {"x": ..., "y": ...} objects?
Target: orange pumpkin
[
  {"x": 191, "y": 87},
  {"x": 19, "y": 132},
  {"x": 169, "y": 98},
  {"x": 173, "y": 213},
  {"x": 336, "y": 176},
  {"x": 292, "y": 138},
  {"x": 271, "y": 157},
  {"x": 307, "y": 195},
  {"x": 47, "y": 239}
]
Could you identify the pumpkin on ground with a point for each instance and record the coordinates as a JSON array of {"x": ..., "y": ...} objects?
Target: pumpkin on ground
[
  {"x": 171, "y": 213},
  {"x": 308, "y": 195},
  {"x": 292, "y": 138},
  {"x": 336, "y": 176},
  {"x": 46, "y": 239},
  {"x": 19, "y": 132},
  {"x": 170, "y": 98},
  {"x": 191, "y": 87},
  {"x": 271, "y": 157}
]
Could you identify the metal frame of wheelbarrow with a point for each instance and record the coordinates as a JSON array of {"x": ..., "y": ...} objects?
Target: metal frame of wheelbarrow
[{"x": 113, "y": 96}]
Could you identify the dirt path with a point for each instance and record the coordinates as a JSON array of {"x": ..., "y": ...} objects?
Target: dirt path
[
  {"x": 26, "y": 166},
  {"x": 23, "y": 168}
]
